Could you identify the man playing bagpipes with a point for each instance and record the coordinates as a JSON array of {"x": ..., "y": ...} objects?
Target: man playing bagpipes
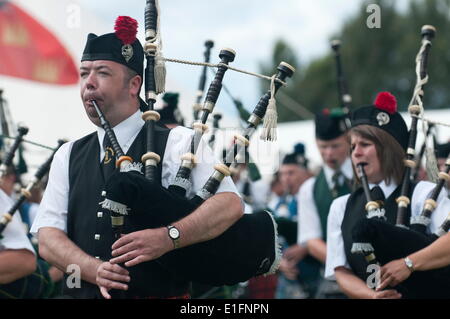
[
  {"x": 317, "y": 193},
  {"x": 170, "y": 113},
  {"x": 299, "y": 272},
  {"x": 17, "y": 256},
  {"x": 72, "y": 230}
]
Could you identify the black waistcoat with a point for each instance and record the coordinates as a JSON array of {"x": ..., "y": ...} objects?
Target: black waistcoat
[
  {"x": 355, "y": 211},
  {"x": 92, "y": 231}
]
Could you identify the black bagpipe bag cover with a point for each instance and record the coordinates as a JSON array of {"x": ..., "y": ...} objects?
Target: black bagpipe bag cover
[{"x": 246, "y": 249}]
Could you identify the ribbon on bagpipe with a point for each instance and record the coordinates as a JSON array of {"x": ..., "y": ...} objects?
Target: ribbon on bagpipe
[
  {"x": 249, "y": 247},
  {"x": 380, "y": 241}
]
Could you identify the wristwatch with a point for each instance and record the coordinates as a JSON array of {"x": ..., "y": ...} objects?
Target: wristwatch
[
  {"x": 409, "y": 264},
  {"x": 174, "y": 234}
]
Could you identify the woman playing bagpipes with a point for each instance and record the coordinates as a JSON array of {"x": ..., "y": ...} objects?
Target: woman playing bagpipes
[{"x": 379, "y": 140}]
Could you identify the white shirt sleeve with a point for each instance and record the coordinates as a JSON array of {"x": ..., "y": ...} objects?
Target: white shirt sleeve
[
  {"x": 335, "y": 242},
  {"x": 421, "y": 192},
  {"x": 14, "y": 235},
  {"x": 260, "y": 190},
  {"x": 52, "y": 210},
  {"x": 309, "y": 221},
  {"x": 178, "y": 144}
]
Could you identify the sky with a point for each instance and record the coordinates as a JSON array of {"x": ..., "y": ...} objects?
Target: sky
[{"x": 249, "y": 27}]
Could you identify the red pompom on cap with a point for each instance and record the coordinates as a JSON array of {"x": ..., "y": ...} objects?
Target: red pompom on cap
[
  {"x": 387, "y": 102},
  {"x": 126, "y": 29}
]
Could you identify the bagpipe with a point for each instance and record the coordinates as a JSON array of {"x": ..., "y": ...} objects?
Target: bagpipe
[
  {"x": 381, "y": 242},
  {"x": 209, "y": 44},
  {"x": 9, "y": 156},
  {"x": 344, "y": 96},
  {"x": 249, "y": 247},
  {"x": 26, "y": 192},
  {"x": 212, "y": 139}
]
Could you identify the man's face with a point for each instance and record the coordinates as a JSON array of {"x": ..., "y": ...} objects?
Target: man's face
[
  {"x": 292, "y": 177},
  {"x": 335, "y": 151},
  {"x": 104, "y": 81}
]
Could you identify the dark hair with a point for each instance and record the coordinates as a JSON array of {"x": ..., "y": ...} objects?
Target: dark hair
[
  {"x": 390, "y": 153},
  {"x": 129, "y": 74}
]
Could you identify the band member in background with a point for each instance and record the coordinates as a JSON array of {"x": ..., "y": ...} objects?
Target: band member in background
[
  {"x": 378, "y": 140},
  {"x": 317, "y": 193},
  {"x": 299, "y": 272},
  {"x": 17, "y": 256},
  {"x": 442, "y": 154},
  {"x": 71, "y": 230},
  {"x": 170, "y": 113}
]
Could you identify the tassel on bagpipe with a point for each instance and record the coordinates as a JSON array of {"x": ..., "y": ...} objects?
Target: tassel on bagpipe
[
  {"x": 246, "y": 249},
  {"x": 241, "y": 141},
  {"x": 26, "y": 192}
]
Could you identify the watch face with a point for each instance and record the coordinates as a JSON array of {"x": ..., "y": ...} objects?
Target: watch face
[
  {"x": 174, "y": 233},
  {"x": 409, "y": 263}
]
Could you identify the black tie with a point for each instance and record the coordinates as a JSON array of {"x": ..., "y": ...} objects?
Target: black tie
[
  {"x": 377, "y": 195},
  {"x": 336, "y": 183},
  {"x": 109, "y": 160}
]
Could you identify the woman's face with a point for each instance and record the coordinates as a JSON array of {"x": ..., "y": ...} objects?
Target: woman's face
[{"x": 363, "y": 151}]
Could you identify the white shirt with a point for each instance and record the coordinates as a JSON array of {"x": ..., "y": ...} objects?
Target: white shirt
[
  {"x": 53, "y": 208},
  {"x": 335, "y": 244},
  {"x": 309, "y": 226},
  {"x": 14, "y": 235},
  {"x": 259, "y": 192}
]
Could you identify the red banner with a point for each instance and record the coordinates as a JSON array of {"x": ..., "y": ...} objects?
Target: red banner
[{"x": 29, "y": 50}]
